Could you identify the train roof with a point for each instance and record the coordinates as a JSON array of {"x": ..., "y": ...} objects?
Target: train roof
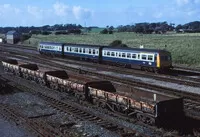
[
  {"x": 83, "y": 45},
  {"x": 52, "y": 43},
  {"x": 133, "y": 49}
]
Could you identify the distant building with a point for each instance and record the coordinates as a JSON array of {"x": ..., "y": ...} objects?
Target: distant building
[{"x": 12, "y": 37}]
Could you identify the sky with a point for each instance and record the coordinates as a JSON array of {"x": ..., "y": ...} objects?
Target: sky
[{"x": 96, "y": 12}]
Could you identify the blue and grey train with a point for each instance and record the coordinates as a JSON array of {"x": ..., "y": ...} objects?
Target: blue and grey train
[{"x": 146, "y": 59}]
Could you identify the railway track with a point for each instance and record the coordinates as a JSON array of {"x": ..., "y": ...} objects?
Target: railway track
[
  {"x": 83, "y": 114},
  {"x": 190, "y": 81},
  {"x": 39, "y": 128},
  {"x": 133, "y": 83}
]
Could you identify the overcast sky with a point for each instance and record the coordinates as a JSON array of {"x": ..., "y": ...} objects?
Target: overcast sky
[{"x": 97, "y": 12}]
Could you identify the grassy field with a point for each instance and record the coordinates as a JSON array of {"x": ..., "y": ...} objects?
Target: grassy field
[{"x": 185, "y": 48}]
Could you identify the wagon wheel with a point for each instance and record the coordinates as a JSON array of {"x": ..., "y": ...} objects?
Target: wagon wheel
[
  {"x": 5, "y": 69},
  {"x": 101, "y": 104},
  {"x": 18, "y": 74},
  {"x": 151, "y": 121},
  {"x": 139, "y": 117},
  {"x": 94, "y": 101}
]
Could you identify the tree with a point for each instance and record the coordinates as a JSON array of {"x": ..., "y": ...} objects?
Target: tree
[{"x": 104, "y": 31}]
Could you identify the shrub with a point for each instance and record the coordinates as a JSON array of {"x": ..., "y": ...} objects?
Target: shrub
[
  {"x": 117, "y": 43},
  {"x": 25, "y": 37},
  {"x": 104, "y": 31},
  {"x": 46, "y": 33}
]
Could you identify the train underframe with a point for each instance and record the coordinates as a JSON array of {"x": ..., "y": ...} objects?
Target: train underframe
[{"x": 131, "y": 112}]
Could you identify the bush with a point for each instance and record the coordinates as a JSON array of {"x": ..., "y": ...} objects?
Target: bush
[
  {"x": 104, "y": 31},
  {"x": 74, "y": 31},
  {"x": 117, "y": 43},
  {"x": 25, "y": 37},
  {"x": 35, "y": 32},
  {"x": 61, "y": 32},
  {"x": 46, "y": 33},
  {"x": 110, "y": 32}
]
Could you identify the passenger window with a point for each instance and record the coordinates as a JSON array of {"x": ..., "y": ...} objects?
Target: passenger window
[
  {"x": 144, "y": 57},
  {"x": 150, "y": 57},
  {"x": 112, "y": 53},
  {"x": 83, "y": 50},
  {"x": 104, "y": 53},
  {"x": 80, "y": 50},
  {"x": 97, "y": 52},
  {"x": 116, "y": 54},
  {"x": 76, "y": 50},
  {"x": 138, "y": 56},
  {"x": 128, "y": 55},
  {"x": 93, "y": 51},
  {"x": 108, "y": 53},
  {"x": 120, "y": 54},
  {"x": 90, "y": 51},
  {"x": 70, "y": 49},
  {"x": 123, "y": 55},
  {"x": 133, "y": 56}
]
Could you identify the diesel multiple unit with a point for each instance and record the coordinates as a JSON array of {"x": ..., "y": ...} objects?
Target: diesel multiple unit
[
  {"x": 100, "y": 93},
  {"x": 145, "y": 59}
]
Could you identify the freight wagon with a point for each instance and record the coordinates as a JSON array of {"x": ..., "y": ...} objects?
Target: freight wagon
[{"x": 103, "y": 94}]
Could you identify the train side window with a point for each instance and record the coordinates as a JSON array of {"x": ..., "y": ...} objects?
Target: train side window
[
  {"x": 93, "y": 51},
  {"x": 144, "y": 57},
  {"x": 123, "y": 55},
  {"x": 83, "y": 50},
  {"x": 97, "y": 52},
  {"x": 80, "y": 50},
  {"x": 150, "y": 57},
  {"x": 70, "y": 49},
  {"x": 120, "y": 54},
  {"x": 138, "y": 56},
  {"x": 112, "y": 53},
  {"x": 90, "y": 51},
  {"x": 76, "y": 50},
  {"x": 128, "y": 55},
  {"x": 133, "y": 56},
  {"x": 104, "y": 53},
  {"x": 108, "y": 53},
  {"x": 73, "y": 49}
]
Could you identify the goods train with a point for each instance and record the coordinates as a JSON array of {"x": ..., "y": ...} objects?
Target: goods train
[
  {"x": 153, "y": 60},
  {"x": 101, "y": 93}
]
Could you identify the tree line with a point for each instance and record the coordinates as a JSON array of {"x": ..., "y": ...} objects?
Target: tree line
[
  {"x": 160, "y": 27},
  {"x": 46, "y": 29},
  {"x": 145, "y": 28}
]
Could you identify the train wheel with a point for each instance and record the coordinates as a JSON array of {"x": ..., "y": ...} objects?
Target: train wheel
[
  {"x": 5, "y": 69},
  {"x": 139, "y": 117},
  {"x": 101, "y": 104},
  {"x": 151, "y": 121},
  {"x": 155, "y": 70}
]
